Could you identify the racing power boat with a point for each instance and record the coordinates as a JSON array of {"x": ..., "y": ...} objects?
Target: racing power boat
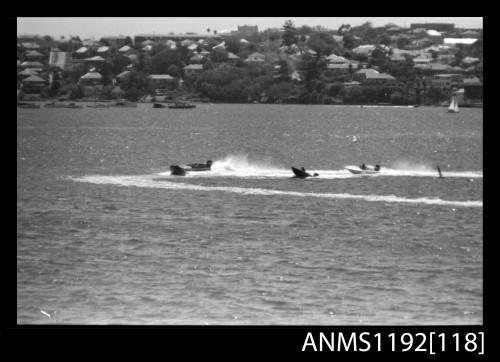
[
  {"x": 199, "y": 166},
  {"x": 177, "y": 170},
  {"x": 302, "y": 173},
  {"x": 364, "y": 169}
]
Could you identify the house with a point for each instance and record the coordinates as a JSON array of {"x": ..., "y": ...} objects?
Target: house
[
  {"x": 117, "y": 41},
  {"x": 33, "y": 55},
  {"x": 471, "y": 80},
  {"x": 443, "y": 27},
  {"x": 247, "y": 30},
  {"x": 470, "y": 60},
  {"x": 350, "y": 85},
  {"x": 122, "y": 76},
  {"x": 339, "y": 39},
  {"x": 193, "y": 47},
  {"x": 197, "y": 58},
  {"x": 148, "y": 42},
  {"x": 232, "y": 57},
  {"x": 192, "y": 69},
  {"x": 342, "y": 68},
  {"x": 82, "y": 52},
  {"x": 296, "y": 76},
  {"x": 220, "y": 46},
  {"x": 456, "y": 41},
  {"x": 445, "y": 82},
  {"x": 419, "y": 43},
  {"x": 90, "y": 44},
  {"x": 364, "y": 50},
  {"x": 124, "y": 49},
  {"x": 256, "y": 58},
  {"x": 382, "y": 79},
  {"x": 373, "y": 77},
  {"x": 433, "y": 33},
  {"x": 473, "y": 94},
  {"x": 471, "y": 34},
  {"x": 29, "y": 64},
  {"x": 94, "y": 62},
  {"x": 28, "y": 72},
  {"x": 33, "y": 84},
  {"x": 147, "y": 48},
  {"x": 336, "y": 59},
  {"x": 360, "y": 75},
  {"x": 187, "y": 42},
  {"x": 91, "y": 78},
  {"x": 104, "y": 50},
  {"x": 397, "y": 58},
  {"x": 433, "y": 68},
  {"x": 446, "y": 58},
  {"x": 163, "y": 81},
  {"x": 30, "y": 46},
  {"x": 422, "y": 59},
  {"x": 140, "y": 38}
]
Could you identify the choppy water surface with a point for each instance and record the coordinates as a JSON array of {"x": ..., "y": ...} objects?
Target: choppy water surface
[{"x": 106, "y": 235}]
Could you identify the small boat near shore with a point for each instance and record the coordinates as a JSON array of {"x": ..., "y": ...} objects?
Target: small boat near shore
[
  {"x": 182, "y": 105},
  {"x": 364, "y": 169},
  {"x": 98, "y": 105},
  {"x": 159, "y": 105},
  {"x": 62, "y": 105},
  {"x": 124, "y": 103},
  {"x": 28, "y": 105}
]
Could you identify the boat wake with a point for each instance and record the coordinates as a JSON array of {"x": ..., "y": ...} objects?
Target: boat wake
[
  {"x": 149, "y": 181},
  {"x": 241, "y": 166}
]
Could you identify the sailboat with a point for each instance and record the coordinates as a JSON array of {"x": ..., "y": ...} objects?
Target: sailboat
[{"x": 453, "y": 108}]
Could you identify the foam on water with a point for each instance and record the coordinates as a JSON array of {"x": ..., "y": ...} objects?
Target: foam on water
[
  {"x": 148, "y": 181},
  {"x": 242, "y": 166}
]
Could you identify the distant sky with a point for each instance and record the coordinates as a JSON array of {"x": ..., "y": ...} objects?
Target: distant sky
[{"x": 97, "y": 27}]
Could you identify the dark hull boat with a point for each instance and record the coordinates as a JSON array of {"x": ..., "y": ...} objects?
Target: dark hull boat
[
  {"x": 301, "y": 173},
  {"x": 28, "y": 105},
  {"x": 182, "y": 105},
  {"x": 199, "y": 166},
  {"x": 181, "y": 171},
  {"x": 177, "y": 170},
  {"x": 159, "y": 105}
]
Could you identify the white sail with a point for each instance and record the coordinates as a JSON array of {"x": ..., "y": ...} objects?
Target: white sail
[{"x": 453, "y": 105}]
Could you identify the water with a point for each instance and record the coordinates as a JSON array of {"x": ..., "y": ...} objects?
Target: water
[{"x": 106, "y": 236}]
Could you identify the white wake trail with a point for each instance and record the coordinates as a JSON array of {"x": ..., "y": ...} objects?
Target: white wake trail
[{"x": 147, "y": 181}]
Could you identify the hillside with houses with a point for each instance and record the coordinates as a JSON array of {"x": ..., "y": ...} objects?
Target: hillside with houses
[{"x": 423, "y": 64}]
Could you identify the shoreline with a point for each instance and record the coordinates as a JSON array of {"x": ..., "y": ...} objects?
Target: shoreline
[{"x": 364, "y": 105}]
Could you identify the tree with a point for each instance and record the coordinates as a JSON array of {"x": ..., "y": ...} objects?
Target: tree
[
  {"x": 162, "y": 60},
  {"x": 233, "y": 45},
  {"x": 403, "y": 42},
  {"x": 344, "y": 28},
  {"x": 55, "y": 86},
  {"x": 284, "y": 69},
  {"x": 136, "y": 85},
  {"x": 385, "y": 39},
  {"x": 128, "y": 41},
  {"x": 335, "y": 89},
  {"x": 174, "y": 71},
  {"x": 290, "y": 35},
  {"x": 349, "y": 41}
]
